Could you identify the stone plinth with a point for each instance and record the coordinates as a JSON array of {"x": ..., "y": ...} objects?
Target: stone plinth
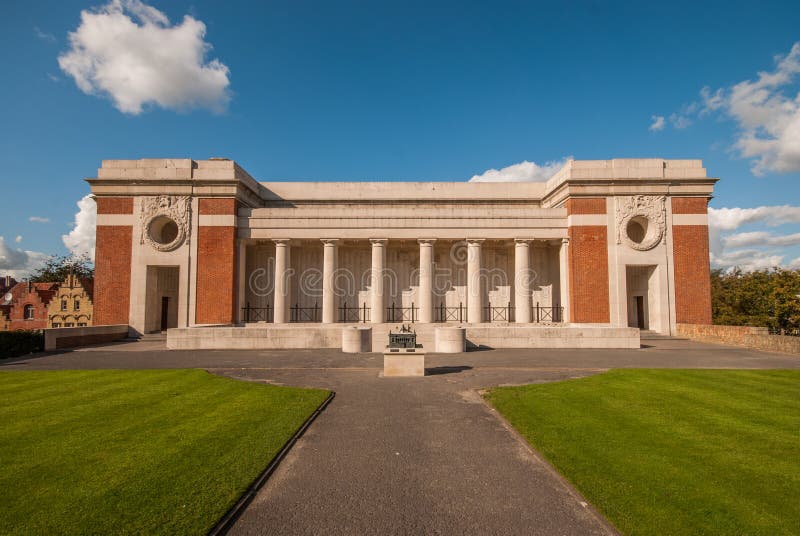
[
  {"x": 356, "y": 340},
  {"x": 403, "y": 362},
  {"x": 451, "y": 340}
]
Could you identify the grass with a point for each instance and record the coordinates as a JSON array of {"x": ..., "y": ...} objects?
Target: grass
[
  {"x": 672, "y": 451},
  {"x": 135, "y": 452}
]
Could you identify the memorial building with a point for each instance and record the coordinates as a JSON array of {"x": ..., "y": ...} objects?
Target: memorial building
[{"x": 600, "y": 251}]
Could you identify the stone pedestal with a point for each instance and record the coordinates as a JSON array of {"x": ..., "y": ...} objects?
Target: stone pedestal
[
  {"x": 356, "y": 340},
  {"x": 403, "y": 362},
  {"x": 451, "y": 340}
]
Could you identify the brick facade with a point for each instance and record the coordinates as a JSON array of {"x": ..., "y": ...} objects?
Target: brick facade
[
  {"x": 588, "y": 264},
  {"x": 216, "y": 275},
  {"x": 114, "y": 205},
  {"x": 112, "y": 274},
  {"x": 588, "y": 274},
  {"x": 30, "y": 295},
  {"x": 216, "y": 266},
  {"x": 215, "y": 207},
  {"x": 689, "y": 205},
  {"x": 692, "y": 274},
  {"x": 593, "y": 205}
]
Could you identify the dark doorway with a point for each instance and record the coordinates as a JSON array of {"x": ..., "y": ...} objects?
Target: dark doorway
[
  {"x": 640, "y": 312},
  {"x": 164, "y": 313}
]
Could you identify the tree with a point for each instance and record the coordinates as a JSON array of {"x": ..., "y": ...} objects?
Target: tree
[
  {"x": 768, "y": 298},
  {"x": 56, "y": 268}
]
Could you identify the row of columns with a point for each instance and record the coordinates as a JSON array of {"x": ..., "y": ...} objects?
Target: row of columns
[{"x": 522, "y": 281}]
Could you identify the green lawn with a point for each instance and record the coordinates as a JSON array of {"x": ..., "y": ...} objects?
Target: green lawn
[
  {"x": 169, "y": 452},
  {"x": 672, "y": 451}
]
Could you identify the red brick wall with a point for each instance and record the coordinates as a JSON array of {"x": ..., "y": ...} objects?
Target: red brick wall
[
  {"x": 114, "y": 205},
  {"x": 588, "y": 264},
  {"x": 216, "y": 275},
  {"x": 223, "y": 206},
  {"x": 112, "y": 274},
  {"x": 689, "y": 205},
  {"x": 591, "y": 205},
  {"x": 22, "y": 297},
  {"x": 692, "y": 274},
  {"x": 588, "y": 274}
]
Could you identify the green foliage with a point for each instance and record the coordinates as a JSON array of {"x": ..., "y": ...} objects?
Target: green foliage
[
  {"x": 56, "y": 268},
  {"x": 16, "y": 343},
  {"x": 135, "y": 452},
  {"x": 672, "y": 451},
  {"x": 768, "y": 298}
]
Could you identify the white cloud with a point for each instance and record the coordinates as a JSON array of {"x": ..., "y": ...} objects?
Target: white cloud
[
  {"x": 766, "y": 111},
  {"x": 760, "y": 238},
  {"x": 44, "y": 36},
  {"x": 729, "y": 219},
  {"x": 129, "y": 52},
  {"x": 523, "y": 172},
  {"x": 657, "y": 124},
  {"x": 80, "y": 241},
  {"x": 679, "y": 121},
  {"x": 751, "y": 250},
  {"x": 18, "y": 239},
  {"x": 39, "y": 219},
  {"x": 18, "y": 263}
]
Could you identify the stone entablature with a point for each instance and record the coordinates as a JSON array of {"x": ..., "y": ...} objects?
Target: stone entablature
[{"x": 599, "y": 237}]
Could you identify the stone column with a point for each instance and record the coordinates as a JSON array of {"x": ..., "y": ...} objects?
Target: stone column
[
  {"x": 474, "y": 282},
  {"x": 522, "y": 281},
  {"x": 328, "y": 280},
  {"x": 241, "y": 280},
  {"x": 377, "y": 308},
  {"x": 281, "y": 292},
  {"x": 563, "y": 266},
  {"x": 425, "y": 289}
]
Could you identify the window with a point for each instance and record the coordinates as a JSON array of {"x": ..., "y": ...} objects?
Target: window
[
  {"x": 56, "y": 324},
  {"x": 77, "y": 305},
  {"x": 69, "y": 325},
  {"x": 81, "y": 324},
  {"x": 63, "y": 305},
  {"x": 29, "y": 312}
]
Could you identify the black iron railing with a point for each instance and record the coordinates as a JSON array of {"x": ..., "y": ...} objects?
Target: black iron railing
[
  {"x": 402, "y": 314},
  {"x": 257, "y": 314},
  {"x": 547, "y": 314},
  {"x": 304, "y": 314},
  {"x": 354, "y": 314},
  {"x": 497, "y": 314},
  {"x": 450, "y": 314}
]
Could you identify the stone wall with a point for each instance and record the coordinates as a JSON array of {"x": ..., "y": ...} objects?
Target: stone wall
[
  {"x": 751, "y": 337},
  {"x": 58, "y": 338}
]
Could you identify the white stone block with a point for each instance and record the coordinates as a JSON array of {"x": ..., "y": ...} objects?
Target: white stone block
[
  {"x": 403, "y": 364},
  {"x": 356, "y": 339}
]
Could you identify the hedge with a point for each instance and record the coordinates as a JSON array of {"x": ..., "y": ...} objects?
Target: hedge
[{"x": 16, "y": 343}]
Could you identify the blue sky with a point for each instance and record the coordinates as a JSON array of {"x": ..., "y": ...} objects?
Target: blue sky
[{"x": 405, "y": 90}]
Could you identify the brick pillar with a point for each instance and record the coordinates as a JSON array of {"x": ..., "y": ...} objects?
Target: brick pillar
[
  {"x": 588, "y": 261},
  {"x": 216, "y": 262},
  {"x": 691, "y": 260},
  {"x": 112, "y": 261}
]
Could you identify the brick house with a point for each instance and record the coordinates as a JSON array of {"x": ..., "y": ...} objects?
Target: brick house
[
  {"x": 27, "y": 305},
  {"x": 72, "y": 304}
]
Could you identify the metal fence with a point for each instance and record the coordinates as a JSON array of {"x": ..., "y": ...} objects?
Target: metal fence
[
  {"x": 402, "y": 314},
  {"x": 257, "y": 314},
  {"x": 354, "y": 314},
  {"x": 450, "y": 314},
  {"x": 547, "y": 314},
  {"x": 304, "y": 314}
]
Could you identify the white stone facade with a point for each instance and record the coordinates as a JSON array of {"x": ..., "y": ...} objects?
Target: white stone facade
[{"x": 401, "y": 252}]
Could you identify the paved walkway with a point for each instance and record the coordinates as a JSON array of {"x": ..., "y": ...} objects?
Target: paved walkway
[{"x": 413, "y": 456}]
